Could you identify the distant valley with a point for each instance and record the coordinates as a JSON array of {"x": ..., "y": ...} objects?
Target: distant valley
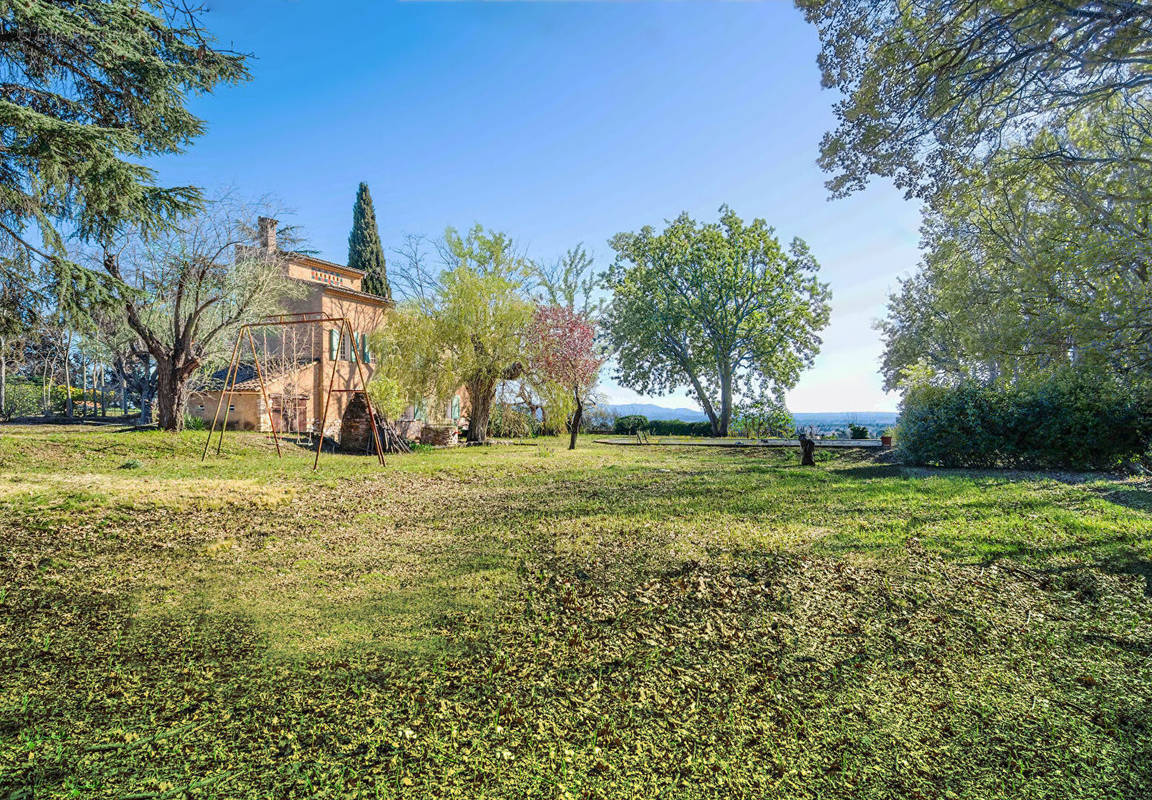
[{"x": 821, "y": 420}]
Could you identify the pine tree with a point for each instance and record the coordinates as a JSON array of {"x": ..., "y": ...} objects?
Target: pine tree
[
  {"x": 95, "y": 87},
  {"x": 364, "y": 249}
]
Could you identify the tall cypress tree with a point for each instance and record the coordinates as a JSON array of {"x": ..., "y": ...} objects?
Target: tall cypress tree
[{"x": 364, "y": 250}]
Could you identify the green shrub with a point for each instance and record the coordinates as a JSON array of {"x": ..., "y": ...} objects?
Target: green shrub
[
  {"x": 1068, "y": 419},
  {"x": 192, "y": 423},
  {"x": 22, "y": 398},
  {"x": 669, "y": 427},
  {"x": 857, "y": 431},
  {"x": 700, "y": 429},
  {"x": 631, "y": 423}
]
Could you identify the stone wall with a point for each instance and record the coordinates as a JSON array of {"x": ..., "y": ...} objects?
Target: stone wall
[
  {"x": 439, "y": 435},
  {"x": 356, "y": 427},
  {"x": 409, "y": 429}
]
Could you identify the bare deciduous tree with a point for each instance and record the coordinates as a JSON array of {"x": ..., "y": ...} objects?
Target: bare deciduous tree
[{"x": 184, "y": 291}]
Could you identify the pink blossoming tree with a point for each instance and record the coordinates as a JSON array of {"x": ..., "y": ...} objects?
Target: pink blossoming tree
[{"x": 562, "y": 344}]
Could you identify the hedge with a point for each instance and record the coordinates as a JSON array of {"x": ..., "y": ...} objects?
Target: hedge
[
  {"x": 631, "y": 423},
  {"x": 1069, "y": 419},
  {"x": 678, "y": 427}
]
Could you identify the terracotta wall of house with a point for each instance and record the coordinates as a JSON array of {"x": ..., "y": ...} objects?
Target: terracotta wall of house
[
  {"x": 327, "y": 274},
  {"x": 245, "y": 414},
  {"x": 363, "y": 317}
]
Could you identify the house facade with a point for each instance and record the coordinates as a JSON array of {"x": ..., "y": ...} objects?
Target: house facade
[{"x": 298, "y": 362}]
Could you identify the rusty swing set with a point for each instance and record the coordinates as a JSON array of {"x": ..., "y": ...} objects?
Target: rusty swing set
[{"x": 282, "y": 320}]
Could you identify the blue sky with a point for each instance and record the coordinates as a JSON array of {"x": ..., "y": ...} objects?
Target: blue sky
[{"x": 558, "y": 123}]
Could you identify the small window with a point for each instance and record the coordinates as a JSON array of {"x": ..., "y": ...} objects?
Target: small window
[{"x": 231, "y": 407}]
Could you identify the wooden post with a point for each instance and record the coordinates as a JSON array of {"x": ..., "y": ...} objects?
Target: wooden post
[{"x": 807, "y": 447}]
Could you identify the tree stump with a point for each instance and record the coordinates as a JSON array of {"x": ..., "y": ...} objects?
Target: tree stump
[{"x": 807, "y": 448}]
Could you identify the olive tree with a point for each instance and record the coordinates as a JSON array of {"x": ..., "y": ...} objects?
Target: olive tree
[{"x": 186, "y": 290}]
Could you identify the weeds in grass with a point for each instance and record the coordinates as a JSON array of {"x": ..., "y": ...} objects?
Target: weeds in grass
[{"x": 601, "y": 623}]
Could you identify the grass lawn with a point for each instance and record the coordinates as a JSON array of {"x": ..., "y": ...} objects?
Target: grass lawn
[{"x": 526, "y": 622}]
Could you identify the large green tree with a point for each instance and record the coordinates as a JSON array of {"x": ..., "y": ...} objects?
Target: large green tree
[
  {"x": 1025, "y": 269},
  {"x": 719, "y": 307},
  {"x": 364, "y": 249},
  {"x": 928, "y": 85},
  {"x": 91, "y": 88},
  {"x": 1026, "y": 127}
]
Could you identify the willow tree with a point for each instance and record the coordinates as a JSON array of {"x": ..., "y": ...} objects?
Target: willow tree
[
  {"x": 720, "y": 308},
  {"x": 463, "y": 325}
]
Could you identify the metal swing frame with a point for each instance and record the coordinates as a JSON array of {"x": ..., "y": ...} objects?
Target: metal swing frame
[{"x": 281, "y": 320}]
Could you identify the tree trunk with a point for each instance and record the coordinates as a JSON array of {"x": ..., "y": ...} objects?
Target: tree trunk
[
  {"x": 83, "y": 388},
  {"x": 68, "y": 378},
  {"x": 123, "y": 390},
  {"x": 725, "y": 403},
  {"x": 3, "y": 378},
  {"x": 577, "y": 415},
  {"x": 702, "y": 398},
  {"x": 480, "y": 394},
  {"x": 45, "y": 391},
  {"x": 170, "y": 396},
  {"x": 146, "y": 392}
]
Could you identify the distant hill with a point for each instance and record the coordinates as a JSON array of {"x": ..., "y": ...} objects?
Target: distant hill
[
  {"x": 821, "y": 420},
  {"x": 656, "y": 412}
]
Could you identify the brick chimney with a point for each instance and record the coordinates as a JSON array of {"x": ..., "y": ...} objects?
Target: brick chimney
[{"x": 267, "y": 238}]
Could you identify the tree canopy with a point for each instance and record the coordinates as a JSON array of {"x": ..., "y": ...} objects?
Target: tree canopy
[
  {"x": 562, "y": 347},
  {"x": 1026, "y": 127},
  {"x": 462, "y": 325},
  {"x": 184, "y": 292},
  {"x": 91, "y": 88},
  {"x": 931, "y": 84},
  {"x": 718, "y": 307}
]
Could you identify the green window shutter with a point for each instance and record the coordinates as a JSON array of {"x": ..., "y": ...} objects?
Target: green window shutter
[
  {"x": 364, "y": 351},
  {"x": 333, "y": 344},
  {"x": 455, "y": 406},
  {"x": 419, "y": 410},
  {"x": 353, "y": 347}
]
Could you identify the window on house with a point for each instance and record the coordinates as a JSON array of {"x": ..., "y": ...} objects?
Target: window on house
[{"x": 231, "y": 407}]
